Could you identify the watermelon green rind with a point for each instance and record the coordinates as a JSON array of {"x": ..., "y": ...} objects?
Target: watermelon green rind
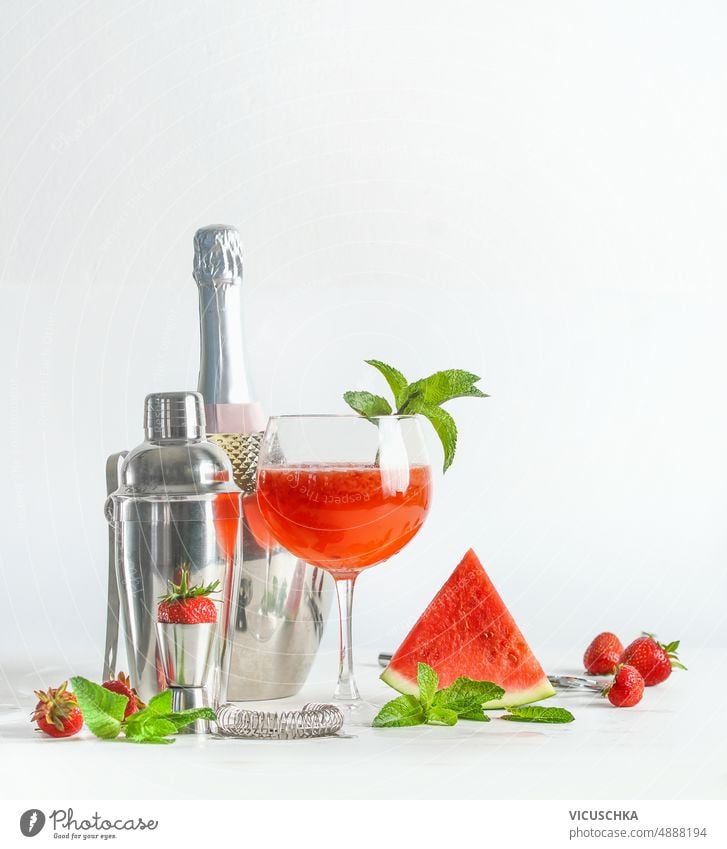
[
  {"x": 542, "y": 690},
  {"x": 468, "y": 631}
]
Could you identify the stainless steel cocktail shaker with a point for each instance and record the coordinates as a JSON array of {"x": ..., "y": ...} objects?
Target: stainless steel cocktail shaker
[{"x": 176, "y": 516}]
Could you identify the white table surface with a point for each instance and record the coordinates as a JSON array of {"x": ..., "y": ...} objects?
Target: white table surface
[{"x": 672, "y": 745}]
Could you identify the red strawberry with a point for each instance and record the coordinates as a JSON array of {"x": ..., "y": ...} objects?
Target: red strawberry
[
  {"x": 57, "y": 713},
  {"x": 188, "y": 605},
  {"x": 653, "y": 660},
  {"x": 627, "y": 687},
  {"x": 603, "y": 654},
  {"x": 122, "y": 686}
]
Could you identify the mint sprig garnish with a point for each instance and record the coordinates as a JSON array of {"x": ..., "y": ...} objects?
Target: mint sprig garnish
[
  {"x": 461, "y": 700},
  {"x": 465, "y": 698},
  {"x": 103, "y": 713},
  {"x": 423, "y": 397},
  {"x": 535, "y": 713}
]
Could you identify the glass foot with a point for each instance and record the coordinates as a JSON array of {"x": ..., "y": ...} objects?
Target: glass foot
[{"x": 356, "y": 712}]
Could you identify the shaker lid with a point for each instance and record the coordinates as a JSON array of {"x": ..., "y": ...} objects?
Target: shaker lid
[
  {"x": 217, "y": 255},
  {"x": 174, "y": 415},
  {"x": 175, "y": 474}
]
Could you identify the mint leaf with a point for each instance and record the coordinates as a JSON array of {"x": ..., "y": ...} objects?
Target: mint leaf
[
  {"x": 423, "y": 397},
  {"x": 441, "y": 716},
  {"x": 133, "y": 728},
  {"x": 478, "y": 715},
  {"x": 103, "y": 711},
  {"x": 534, "y": 713},
  {"x": 185, "y": 717},
  {"x": 149, "y": 727},
  {"x": 396, "y": 380},
  {"x": 162, "y": 740},
  {"x": 446, "y": 385},
  {"x": 428, "y": 681},
  {"x": 443, "y": 424},
  {"x": 158, "y": 720},
  {"x": 161, "y": 703},
  {"x": 467, "y": 696},
  {"x": 367, "y": 404},
  {"x": 400, "y": 712}
]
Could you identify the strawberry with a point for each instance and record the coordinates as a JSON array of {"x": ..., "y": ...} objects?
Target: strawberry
[
  {"x": 57, "y": 713},
  {"x": 188, "y": 605},
  {"x": 122, "y": 686},
  {"x": 653, "y": 660},
  {"x": 603, "y": 654},
  {"x": 627, "y": 687}
]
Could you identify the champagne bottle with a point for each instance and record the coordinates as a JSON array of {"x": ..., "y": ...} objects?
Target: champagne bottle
[
  {"x": 223, "y": 380},
  {"x": 281, "y": 601}
]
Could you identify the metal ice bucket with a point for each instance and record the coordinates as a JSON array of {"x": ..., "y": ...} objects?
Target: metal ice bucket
[{"x": 282, "y": 602}]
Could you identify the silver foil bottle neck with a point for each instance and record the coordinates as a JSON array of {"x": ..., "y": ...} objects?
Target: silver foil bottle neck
[
  {"x": 218, "y": 274},
  {"x": 174, "y": 415},
  {"x": 217, "y": 255}
]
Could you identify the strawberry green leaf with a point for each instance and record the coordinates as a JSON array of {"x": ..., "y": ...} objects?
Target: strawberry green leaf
[
  {"x": 534, "y": 713},
  {"x": 671, "y": 651},
  {"x": 428, "y": 681},
  {"x": 396, "y": 380},
  {"x": 441, "y": 716},
  {"x": 367, "y": 404},
  {"x": 400, "y": 712},
  {"x": 446, "y": 385},
  {"x": 102, "y": 710}
]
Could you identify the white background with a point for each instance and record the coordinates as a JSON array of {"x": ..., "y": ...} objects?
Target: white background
[{"x": 532, "y": 191}]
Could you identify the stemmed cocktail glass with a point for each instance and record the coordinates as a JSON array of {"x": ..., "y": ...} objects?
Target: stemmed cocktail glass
[{"x": 344, "y": 493}]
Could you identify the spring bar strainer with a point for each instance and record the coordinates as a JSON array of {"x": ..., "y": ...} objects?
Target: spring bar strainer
[{"x": 313, "y": 720}]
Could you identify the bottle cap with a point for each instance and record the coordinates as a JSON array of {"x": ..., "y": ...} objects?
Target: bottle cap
[
  {"x": 217, "y": 255},
  {"x": 174, "y": 415}
]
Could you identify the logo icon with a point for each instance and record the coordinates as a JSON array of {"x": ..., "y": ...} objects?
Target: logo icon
[{"x": 32, "y": 822}]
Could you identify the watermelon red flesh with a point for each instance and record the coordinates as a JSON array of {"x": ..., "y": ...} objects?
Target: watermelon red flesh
[{"x": 468, "y": 631}]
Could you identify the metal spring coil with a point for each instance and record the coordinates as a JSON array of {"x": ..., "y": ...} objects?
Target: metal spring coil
[{"x": 313, "y": 720}]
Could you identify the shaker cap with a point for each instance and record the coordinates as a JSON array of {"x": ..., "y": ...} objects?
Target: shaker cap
[
  {"x": 174, "y": 415},
  {"x": 217, "y": 255},
  {"x": 175, "y": 474}
]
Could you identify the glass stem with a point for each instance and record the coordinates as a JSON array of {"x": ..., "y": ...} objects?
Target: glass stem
[{"x": 346, "y": 689}]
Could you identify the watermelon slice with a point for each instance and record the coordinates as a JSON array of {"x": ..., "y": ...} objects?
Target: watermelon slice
[{"x": 468, "y": 631}]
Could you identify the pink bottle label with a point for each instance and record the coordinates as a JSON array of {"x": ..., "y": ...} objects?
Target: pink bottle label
[{"x": 235, "y": 418}]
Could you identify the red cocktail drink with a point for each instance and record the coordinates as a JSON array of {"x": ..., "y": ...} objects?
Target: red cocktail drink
[
  {"x": 343, "y": 518},
  {"x": 344, "y": 493}
]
